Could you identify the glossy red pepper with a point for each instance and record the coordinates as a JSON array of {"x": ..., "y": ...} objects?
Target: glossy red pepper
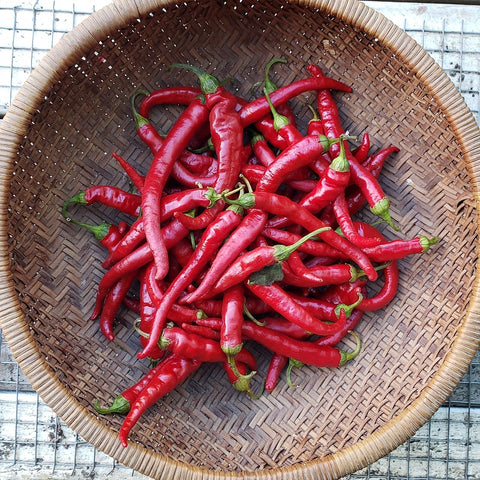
[
  {"x": 175, "y": 143},
  {"x": 361, "y": 176},
  {"x": 279, "y": 205},
  {"x": 259, "y": 108},
  {"x": 209, "y": 244},
  {"x": 171, "y": 372},
  {"x": 171, "y": 233},
  {"x": 182, "y": 95},
  {"x": 122, "y": 403},
  {"x": 285, "y": 305},
  {"x": 300, "y": 350},
  {"x": 113, "y": 302},
  {"x": 134, "y": 176},
  {"x": 125, "y": 202}
]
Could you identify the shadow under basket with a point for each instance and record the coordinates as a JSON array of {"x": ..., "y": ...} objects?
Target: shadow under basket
[{"x": 58, "y": 138}]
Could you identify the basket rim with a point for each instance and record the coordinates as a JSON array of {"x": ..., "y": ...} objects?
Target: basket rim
[{"x": 73, "y": 45}]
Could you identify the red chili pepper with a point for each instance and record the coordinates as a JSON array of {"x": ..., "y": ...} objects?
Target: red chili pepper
[
  {"x": 169, "y": 95},
  {"x": 390, "y": 286},
  {"x": 346, "y": 224},
  {"x": 210, "y": 242},
  {"x": 277, "y": 363},
  {"x": 257, "y": 109},
  {"x": 361, "y": 176},
  {"x": 279, "y": 205},
  {"x": 232, "y": 319},
  {"x": 113, "y": 302},
  {"x": 121, "y": 403},
  {"x": 108, "y": 235},
  {"x": 262, "y": 150},
  {"x": 190, "y": 345},
  {"x": 172, "y": 371},
  {"x": 361, "y": 152},
  {"x": 351, "y": 323},
  {"x": 239, "y": 240},
  {"x": 173, "y": 232},
  {"x": 282, "y": 124},
  {"x": 387, "y": 292},
  {"x": 255, "y": 260},
  {"x": 283, "y": 303},
  {"x": 300, "y": 350},
  {"x": 124, "y": 202},
  {"x": 148, "y": 307},
  {"x": 175, "y": 143},
  {"x": 134, "y": 176},
  {"x": 317, "y": 249}
]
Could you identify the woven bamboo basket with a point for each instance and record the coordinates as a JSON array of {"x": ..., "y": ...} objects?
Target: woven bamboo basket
[{"x": 57, "y": 138}]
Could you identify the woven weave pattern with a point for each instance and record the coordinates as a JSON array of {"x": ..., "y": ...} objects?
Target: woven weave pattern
[{"x": 56, "y": 267}]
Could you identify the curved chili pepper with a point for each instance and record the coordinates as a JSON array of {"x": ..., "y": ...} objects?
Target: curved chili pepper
[
  {"x": 170, "y": 95},
  {"x": 134, "y": 176},
  {"x": 279, "y": 205},
  {"x": 148, "y": 307},
  {"x": 125, "y": 202},
  {"x": 113, "y": 302},
  {"x": 361, "y": 152},
  {"x": 300, "y": 350},
  {"x": 255, "y": 260},
  {"x": 390, "y": 274},
  {"x": 282, "y": 124},
  {"x": 121, "y": 403},
  {"x": 174, "y": 144},
  {"x": 239, "y": 240},
  {"x": 262, "y": 150},
  {"x": 361, "y": 176},
  {"x": 259, "y": 108},
  {"x": 346, "y": 224},
  {"x": 277, "y": 363},
  {"x": 283, "y": 303},
  {"x": 209, "y": 243},
  {"x": 232, "y": 319},
  {"x": 173, "y": 232},
  {"x": 172, "y": 371},
  {"x": 191, "y": 345}
]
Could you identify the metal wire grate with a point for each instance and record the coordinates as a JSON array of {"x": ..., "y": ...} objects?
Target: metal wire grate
[{"x": 35, "y": 442}]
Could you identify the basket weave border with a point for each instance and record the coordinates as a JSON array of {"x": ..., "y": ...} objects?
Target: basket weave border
[{"x": 13, "y": 128}]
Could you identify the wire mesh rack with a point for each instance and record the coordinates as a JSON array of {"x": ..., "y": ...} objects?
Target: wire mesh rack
[{"x": 35, "y": 443}]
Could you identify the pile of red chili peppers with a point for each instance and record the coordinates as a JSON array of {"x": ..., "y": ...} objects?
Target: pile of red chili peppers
[{"x": 243, "y": 230}]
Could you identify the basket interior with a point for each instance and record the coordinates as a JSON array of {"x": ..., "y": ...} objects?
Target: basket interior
[{"x": 56, "y": 266}]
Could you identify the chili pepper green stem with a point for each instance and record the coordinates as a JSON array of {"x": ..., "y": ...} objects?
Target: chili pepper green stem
[
  {"x": 120, "y": 405},
  {"x": 382, "y": 209},
  {"x": 269, "y": 85},
  {"x": 292, "y": 363},
  {"x": 348, "y": 308},
  {"x": 139, "y": 120},
  {"x": 340, "y": 163},
  {"x": 348, "y": 356},
  {"x": 208, "y": 82},
  {"x": 279, "y": 121},
  {"x": 282, "y": 252},
  {"x": 426, "y": 242}
]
